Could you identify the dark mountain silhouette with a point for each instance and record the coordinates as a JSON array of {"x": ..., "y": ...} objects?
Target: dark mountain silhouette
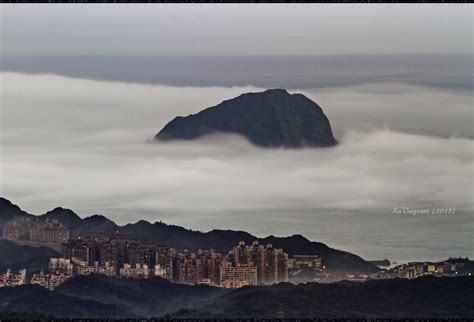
[
  {"x": 220, "y": 240},
  {"x": 66, "y": 216},
  {"x": 154, "y": 297},
  {"x": 79, "y": 226},
  {"x": 427, "y": 297},
  {"x": 9, "y": 211},
  {"x": 34, "y": 298},
  {"x": 93, "y": 224},
  {"x": 98, "y": 296},
  {"x": 104, "y": 297},
  {"x": 273, "y": 118}
]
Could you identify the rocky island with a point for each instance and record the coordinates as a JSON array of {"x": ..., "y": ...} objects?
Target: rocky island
[{"x": 273, "y": 118}]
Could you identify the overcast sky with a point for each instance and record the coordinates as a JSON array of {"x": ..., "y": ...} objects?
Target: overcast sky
[{"x": 236, "y": 29}]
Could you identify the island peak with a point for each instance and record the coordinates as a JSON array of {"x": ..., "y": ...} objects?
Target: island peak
[{"x": 272, "y": 118}]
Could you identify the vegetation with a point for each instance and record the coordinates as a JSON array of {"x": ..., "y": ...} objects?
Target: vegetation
[
  {"x": 395, "y": 298},
  {"x": 104, "y": 297}
]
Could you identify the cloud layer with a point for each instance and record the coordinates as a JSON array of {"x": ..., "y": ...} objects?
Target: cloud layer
[{"x": 85, "y": 145}]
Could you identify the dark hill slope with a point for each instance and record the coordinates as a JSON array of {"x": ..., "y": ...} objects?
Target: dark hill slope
[
  {"x": 429, "y": 297},
  {"x": 34, "y": 298},
  {"x": 154, "y": 297},
  {"x": 16, "y": 256},
  {"x": 273, "y": 118},
  {"x": 66, "y": 216},
  {"x": 99, "y": 296},
  {"x": 9, "y": 211}
]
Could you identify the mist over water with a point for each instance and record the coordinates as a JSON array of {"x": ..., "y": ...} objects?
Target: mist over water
[
  {"x": 450, "y": 72},
  {"x": 86, "y": 145}
]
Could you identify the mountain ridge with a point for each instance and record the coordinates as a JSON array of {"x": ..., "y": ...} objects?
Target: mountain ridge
[{"x": 220, "y": 240}]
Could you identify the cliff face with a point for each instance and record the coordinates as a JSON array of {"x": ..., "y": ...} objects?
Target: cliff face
[{"x": 273, "y": 118}]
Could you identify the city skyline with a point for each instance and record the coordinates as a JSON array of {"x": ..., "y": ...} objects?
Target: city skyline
[{"x": 115, "y": 255}]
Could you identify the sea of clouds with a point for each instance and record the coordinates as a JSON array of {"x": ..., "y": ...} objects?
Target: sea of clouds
[{"x": 87, "y": 145}]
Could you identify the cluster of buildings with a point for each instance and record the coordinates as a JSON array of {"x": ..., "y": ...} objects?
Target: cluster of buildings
[
  {"x": 304, "y": 262},
  {"x": 60, "y": 270},
  {"x": 418, "y": 269},
  {"x": 269, "y": 263},
  {"x": 116, "y": 256},
  {"x": 10, "y": 278},
  {"x": 119, "y": 257},
  {"x": 36, "y": 230},
  {"x": 243, "y": 265}
]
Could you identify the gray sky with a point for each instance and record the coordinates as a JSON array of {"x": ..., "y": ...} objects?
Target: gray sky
[{"x": 236, "y": 29}]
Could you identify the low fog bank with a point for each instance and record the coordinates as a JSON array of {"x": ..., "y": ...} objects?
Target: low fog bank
[
  {"x": 89, "y": 143},
  {"x": 86, "y": 145},
  {"x": 343, "y": 196},
  {"x": 448, "y": 72},
  {"x": 379, "y": 169},
  {"x": 45, "y": 105},
  {"x": 400, "y": 107}
]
